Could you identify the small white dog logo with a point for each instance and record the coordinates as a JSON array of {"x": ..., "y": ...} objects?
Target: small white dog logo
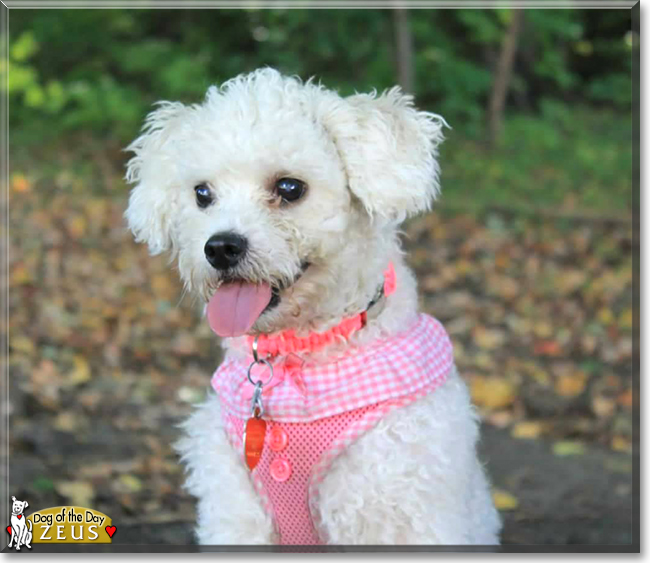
[{"x": 21, "y": 528}]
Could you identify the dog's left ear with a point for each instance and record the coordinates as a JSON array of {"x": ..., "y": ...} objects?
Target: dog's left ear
[
  {"x": 389, "y": 150},
  {"x": 25, "y": 505}
]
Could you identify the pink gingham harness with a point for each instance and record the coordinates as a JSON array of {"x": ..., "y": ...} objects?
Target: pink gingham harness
[{"x": 314, "y": 411}]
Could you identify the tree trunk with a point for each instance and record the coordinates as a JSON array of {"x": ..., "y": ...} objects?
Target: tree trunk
[
  {"x": 404, "y": 49},
  {"x": 502, "y": 76}
]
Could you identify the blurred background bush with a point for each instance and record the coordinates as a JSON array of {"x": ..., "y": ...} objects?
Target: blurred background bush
[
  {"x": 527, "y": 259},
  {"x": 568, "y": 95}
]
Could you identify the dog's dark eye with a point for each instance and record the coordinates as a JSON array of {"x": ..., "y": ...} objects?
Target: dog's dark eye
[
  {"x": 290, "y": 189},
  {"x": 203, "y": 195}
]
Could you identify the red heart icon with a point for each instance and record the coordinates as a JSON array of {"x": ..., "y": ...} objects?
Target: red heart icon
[
  {"x": 9, "y": 530},
  {"x": 19, "y": 516},
  {"x": 110, "y": 530}
]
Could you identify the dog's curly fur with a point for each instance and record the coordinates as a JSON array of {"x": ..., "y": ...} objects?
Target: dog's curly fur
[{"x": 369, "y": 161}]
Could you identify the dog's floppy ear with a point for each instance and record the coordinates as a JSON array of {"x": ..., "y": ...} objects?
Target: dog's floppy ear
[
  {"x": 389, "y": 150},
  {"x": 151, "y": 203},
  {"x": 13, "y": 498},
  {"x": 25, "y": 505}
]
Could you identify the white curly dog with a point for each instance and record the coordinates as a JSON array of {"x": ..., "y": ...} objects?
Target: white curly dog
[{"x": 338, "y": 416}]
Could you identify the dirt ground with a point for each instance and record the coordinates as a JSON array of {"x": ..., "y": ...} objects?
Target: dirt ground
[{"x": 106, "y": 359}]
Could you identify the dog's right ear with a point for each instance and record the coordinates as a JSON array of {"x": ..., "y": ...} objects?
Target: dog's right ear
[
  {"x": 13, "y": 498},
  {"x": 151, "y": 205},
  {"x": 389, "y": 150}
]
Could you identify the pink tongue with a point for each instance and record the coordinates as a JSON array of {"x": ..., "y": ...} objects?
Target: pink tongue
[{"x": 235, "y": 307}]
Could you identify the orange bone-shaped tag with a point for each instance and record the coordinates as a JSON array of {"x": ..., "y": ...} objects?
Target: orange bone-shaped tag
[{"x": 254, "y": 441}]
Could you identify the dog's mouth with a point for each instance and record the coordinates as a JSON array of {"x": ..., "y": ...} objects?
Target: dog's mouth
[
  {"x": 238, "y": 303},
  {"x": 277, "y": 289}
]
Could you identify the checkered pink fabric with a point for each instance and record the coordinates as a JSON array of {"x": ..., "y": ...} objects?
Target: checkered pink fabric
[
  {"x": 303, "y": 392},
  {"x": 322, "y": 409}
]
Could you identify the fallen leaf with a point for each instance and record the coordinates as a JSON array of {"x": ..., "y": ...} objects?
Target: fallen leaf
[
  {"x": 626, "y": 319},
  {"x": 484, "y": 361},
  {"x": 527, "y": 430},
  {"x": 543, "y": 329},
  {"x": 80, "y": 372},
  {"x": 77, "y": 226},
  {"x": 504, "y": 500},
  {"x": 625, "y": 399},
  {"x": 505, "y": 287},
  {"x": 536, "y": 372},
  {"x": 606, "y": 316},
  {"x": 570, "y": 280},
  {"x": 571, "y": 385},
  {"x": 603, "y": 407},
  {"x": 500, "y": 419},
  {"x": 492, "y": 392},
  {"x": 90, "y": 399},
  {"x": 22, "y": 344},
  {"x": 20, "y": 275},
  {"x": 621, "y": 444},
  {"x": 464, "y": 267},
  {"x": 519, "y": 325},
  {"x": 547, "y": 348},
  {"x": 78, "y": 493},
  {"x": 66, "y": 422},
  {"x": 163, "y": 287},
  {"x": 190, "y": 394},
  {"x": 184, "y": 344},
  {"x": 502, "y": 260},
  {"x": 101, "y": 470},
  {"x": 567, "y": 447},
  {"x": 589, "y": 343},
  {"x": 20, "y": 183},
  {"x": 130, "y": 483},
  {"x": 489, "y": 339}
]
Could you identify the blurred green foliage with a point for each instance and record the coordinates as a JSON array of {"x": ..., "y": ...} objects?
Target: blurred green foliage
[
  {"x": 571, "y": 157},
  {"x": 102, "y": 69},
  {"x": 98, "y": 72}
]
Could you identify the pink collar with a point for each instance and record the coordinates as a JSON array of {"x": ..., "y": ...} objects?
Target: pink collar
[{"x": 286, "y": 342}]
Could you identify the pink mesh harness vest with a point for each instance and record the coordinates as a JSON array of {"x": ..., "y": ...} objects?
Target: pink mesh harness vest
[{"x": 314, "y": 411}]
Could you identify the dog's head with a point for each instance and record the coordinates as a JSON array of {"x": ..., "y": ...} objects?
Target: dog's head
[
  {"x": 272, "y": 190},
  {"x": 18, "y": 506}
]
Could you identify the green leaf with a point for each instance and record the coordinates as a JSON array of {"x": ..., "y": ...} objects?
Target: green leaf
[
  {"x": 24, "y": 47},
  {"x": 34, "y": 96}
]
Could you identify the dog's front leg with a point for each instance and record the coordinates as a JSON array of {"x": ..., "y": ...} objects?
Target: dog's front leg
[
  {"x": 230, "y": 511},
  {"x": 414, "y": 479}
]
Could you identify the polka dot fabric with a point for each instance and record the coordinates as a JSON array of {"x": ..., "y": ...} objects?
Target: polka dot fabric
[
  {"x": 290, "y": 469},
  {"x": 288, "y": 501}
]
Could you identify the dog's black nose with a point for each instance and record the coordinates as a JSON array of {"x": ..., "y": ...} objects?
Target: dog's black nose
[{"x": 224, "y": 250}]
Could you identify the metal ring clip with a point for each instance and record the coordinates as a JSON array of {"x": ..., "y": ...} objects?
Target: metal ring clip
[{"x": 259, "y": 381}]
